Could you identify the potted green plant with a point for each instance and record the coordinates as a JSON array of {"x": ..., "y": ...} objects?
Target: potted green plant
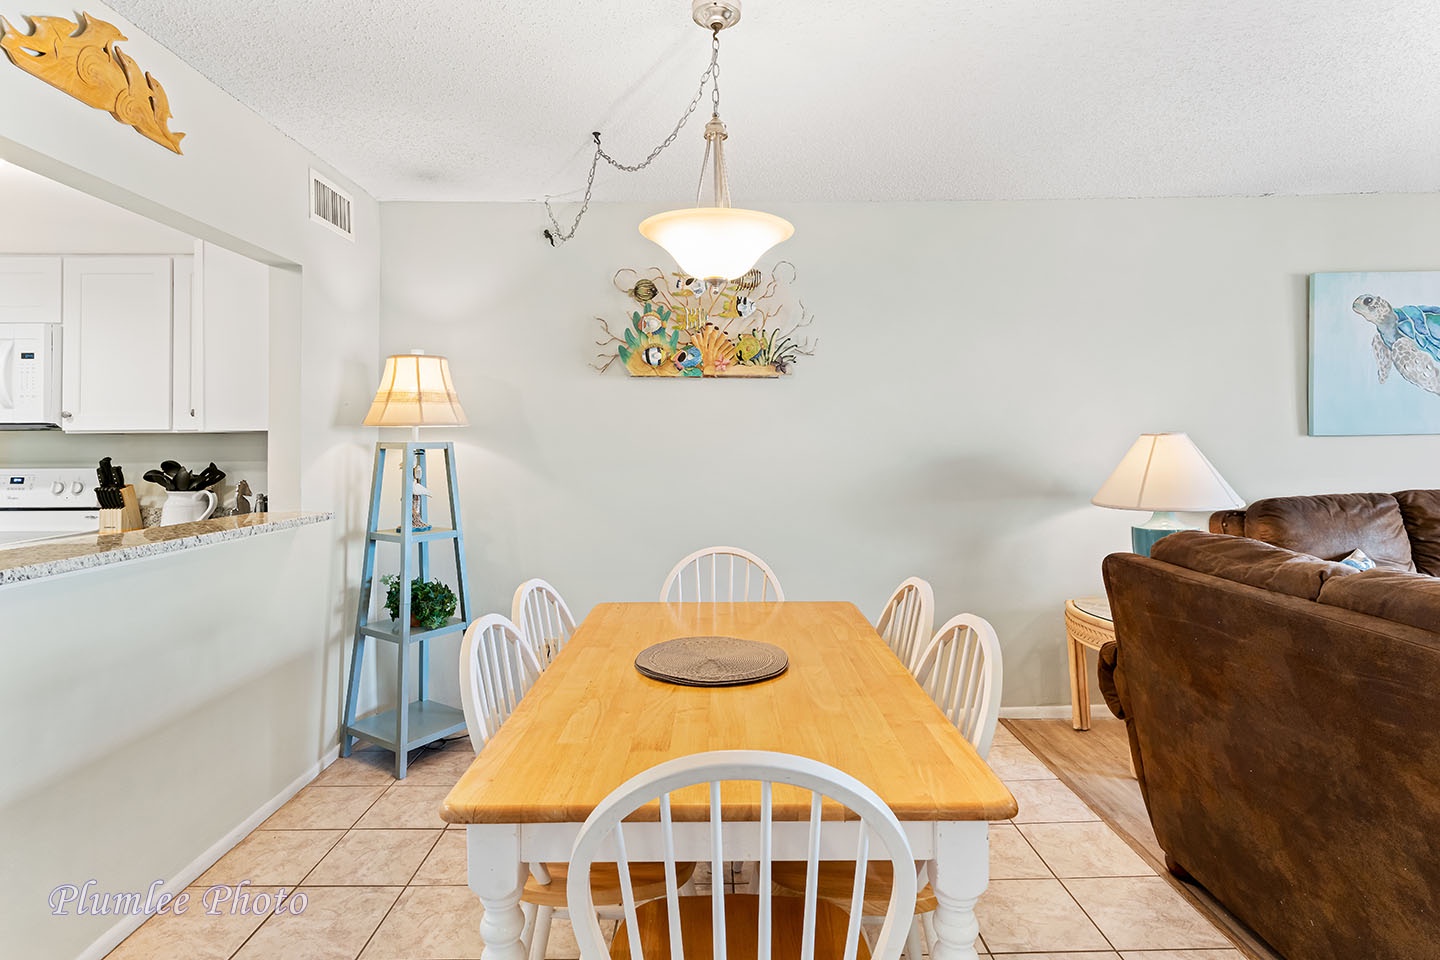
[{"x": 431, "y": 603}]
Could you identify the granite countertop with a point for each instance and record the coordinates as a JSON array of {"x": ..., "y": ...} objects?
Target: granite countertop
[{"x": 47, "y": 558}]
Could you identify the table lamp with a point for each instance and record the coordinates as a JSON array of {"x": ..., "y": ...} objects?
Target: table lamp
[
  {"x": 415, "y": 391},
  {"x": 1165, "y": 473}
]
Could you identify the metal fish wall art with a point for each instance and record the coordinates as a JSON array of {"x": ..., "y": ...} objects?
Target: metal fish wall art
[{"x": 684, "y": 327}]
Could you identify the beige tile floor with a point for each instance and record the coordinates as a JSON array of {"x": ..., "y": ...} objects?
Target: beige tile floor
[{"x": 385, "y": 879}]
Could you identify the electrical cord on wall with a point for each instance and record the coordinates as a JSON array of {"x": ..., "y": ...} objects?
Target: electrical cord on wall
[{"x": 557, "y": 234}]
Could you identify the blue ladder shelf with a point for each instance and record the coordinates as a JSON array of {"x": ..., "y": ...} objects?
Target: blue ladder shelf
[{"x": 421, "y": 720}]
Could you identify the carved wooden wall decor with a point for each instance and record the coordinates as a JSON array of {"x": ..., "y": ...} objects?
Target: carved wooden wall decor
[{"x": 83, "y": 61}]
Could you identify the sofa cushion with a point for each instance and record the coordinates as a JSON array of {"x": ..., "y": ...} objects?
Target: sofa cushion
[
  {"x": 1409, "y": 598},
  {"x": 1251, "y": 562},
  {"x": 1331, "y": 526},
  {"x": 1421, "y": 510}
]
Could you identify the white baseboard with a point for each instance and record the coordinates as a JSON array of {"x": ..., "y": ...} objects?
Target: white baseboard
[
  {"x": 190, "y": 872},
  {"x": 1058, "y": 712}
]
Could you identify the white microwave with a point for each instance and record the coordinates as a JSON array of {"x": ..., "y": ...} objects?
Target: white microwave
[{"x": 29, "y": 376}]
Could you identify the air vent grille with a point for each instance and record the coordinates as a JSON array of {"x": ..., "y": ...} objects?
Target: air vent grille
[{"x": 331, "y": 206}]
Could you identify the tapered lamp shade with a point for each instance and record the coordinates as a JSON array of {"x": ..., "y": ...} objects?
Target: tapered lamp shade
[
  {"x": 716, "y": 243},
  {"x": 415, "y": 391},
  {"x": 1165, "y": 473}
]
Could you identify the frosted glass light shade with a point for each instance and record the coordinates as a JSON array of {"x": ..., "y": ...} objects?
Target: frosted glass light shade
[
  {"x": 1166, "y": 472},
  {"x": 415, "y": 391},
  {"x": 716, "y": 242}
]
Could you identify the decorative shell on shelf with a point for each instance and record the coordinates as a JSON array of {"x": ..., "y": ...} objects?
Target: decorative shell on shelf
[{"x": 716, "y": 349}]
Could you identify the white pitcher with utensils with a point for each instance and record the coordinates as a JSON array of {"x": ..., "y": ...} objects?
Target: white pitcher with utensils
[{"x": 187, "y": 506}]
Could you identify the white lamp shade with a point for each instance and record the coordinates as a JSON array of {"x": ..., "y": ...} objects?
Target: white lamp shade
[
  {"x": 1166, "y": 472},
  {"x": 415, "y": 391},
  {"x": 716, "y": 242}
]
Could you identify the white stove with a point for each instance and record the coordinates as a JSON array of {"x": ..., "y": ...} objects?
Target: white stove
[{"x": 38, "y": 503}]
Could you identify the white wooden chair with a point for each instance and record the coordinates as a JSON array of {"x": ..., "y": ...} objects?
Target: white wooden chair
[
  {"x": 497, "y": 668},
  {"x": 907, "y": 620},
  {"x": 762, "y": 925},
  {"x": 961, "y": 670},
  {"x": 543, "y": 618},
  {"x": 719, "y": 574}
]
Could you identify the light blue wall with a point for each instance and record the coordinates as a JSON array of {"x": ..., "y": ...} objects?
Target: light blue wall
[{"x": 982, "y": 368}]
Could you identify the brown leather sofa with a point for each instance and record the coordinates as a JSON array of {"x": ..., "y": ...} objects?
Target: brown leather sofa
[{"x": 1284, "y": 716}]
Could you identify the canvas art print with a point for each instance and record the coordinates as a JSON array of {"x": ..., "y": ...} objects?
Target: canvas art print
[{"x": 1374, "y": 353}]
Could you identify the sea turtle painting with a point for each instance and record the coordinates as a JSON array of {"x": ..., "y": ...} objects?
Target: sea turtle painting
[{"x": 1406, "y": 338}]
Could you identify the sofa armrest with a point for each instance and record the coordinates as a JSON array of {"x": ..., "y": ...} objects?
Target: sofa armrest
[
  {"x": 1229, "y": 522},
  {"x": 1109, "y": 654}
]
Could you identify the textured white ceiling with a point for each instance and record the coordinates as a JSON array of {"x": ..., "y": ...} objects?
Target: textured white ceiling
[{"x": 839, "y": 100}]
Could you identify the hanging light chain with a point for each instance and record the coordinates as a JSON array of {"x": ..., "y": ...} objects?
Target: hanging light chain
[
  {"x": 711, "y": 77},
  {"x": 714, "y": 72}
]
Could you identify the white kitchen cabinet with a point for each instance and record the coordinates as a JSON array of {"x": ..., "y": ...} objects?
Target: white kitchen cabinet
[
  {"x": 117, "y": 343},
  {"x": 30, "y": 289},
  {"x": 222, "y": 362},
  {"x": 152, "y": 343},
  {"x": 187, "y": 356}
]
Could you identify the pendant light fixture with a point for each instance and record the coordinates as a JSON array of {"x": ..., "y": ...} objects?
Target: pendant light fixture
[{"x": 716, "y": 242}]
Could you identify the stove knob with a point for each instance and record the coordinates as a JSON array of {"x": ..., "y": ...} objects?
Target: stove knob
[
  {"x": 58, "y": 487},
  {"x": 77, "y": 488}
]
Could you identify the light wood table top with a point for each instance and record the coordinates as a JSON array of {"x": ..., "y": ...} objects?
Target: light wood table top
[{"x": 592, "y": 721}]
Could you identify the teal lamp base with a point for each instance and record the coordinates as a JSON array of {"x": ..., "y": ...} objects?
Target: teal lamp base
[{"x": 1160, "y": 525}]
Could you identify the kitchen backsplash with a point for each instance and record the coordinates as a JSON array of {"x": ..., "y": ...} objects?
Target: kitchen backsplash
[{"x": 240, "y": 455}]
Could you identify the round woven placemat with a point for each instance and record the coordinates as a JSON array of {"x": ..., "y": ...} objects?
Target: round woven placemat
[{"x": 711, "y": 661}]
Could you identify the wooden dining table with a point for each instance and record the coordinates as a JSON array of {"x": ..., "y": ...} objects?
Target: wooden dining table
[{"x": 592, "y": 721}]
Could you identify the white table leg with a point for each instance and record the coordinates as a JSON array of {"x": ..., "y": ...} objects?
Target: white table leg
[
  {"x": 497, "y": 876},
  {"x": 959, "y": 873},
  {"x": 530, "y": 911}
]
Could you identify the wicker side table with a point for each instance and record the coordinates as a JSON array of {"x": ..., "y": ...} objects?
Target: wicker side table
[{"x": 1088, "y": 626}]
